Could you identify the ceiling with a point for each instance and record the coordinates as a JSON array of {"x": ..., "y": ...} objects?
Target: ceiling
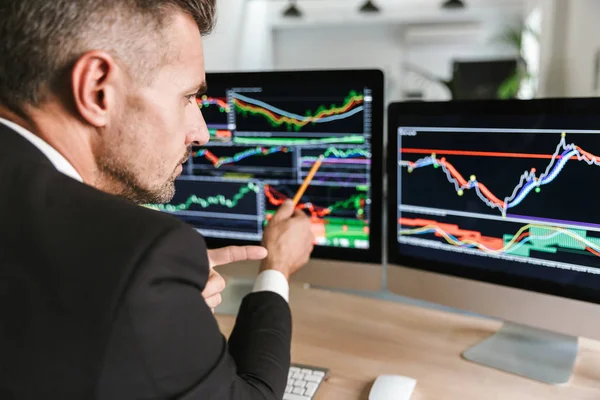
[{"x": 396, "y": 12}]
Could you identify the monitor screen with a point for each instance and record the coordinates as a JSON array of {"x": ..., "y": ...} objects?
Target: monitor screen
[
  {"x": 499, "y": 191},
  {"x": 267, "y": 130}
]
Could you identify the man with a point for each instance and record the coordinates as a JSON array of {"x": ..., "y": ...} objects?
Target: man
[{"x": 101, "y": 298}]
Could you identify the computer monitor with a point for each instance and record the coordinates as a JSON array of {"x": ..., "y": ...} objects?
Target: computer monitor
[
  {"x": 481, "y": 80},
  {"x": 491, "y": 209},
  {"x": 267, "y": 130}
]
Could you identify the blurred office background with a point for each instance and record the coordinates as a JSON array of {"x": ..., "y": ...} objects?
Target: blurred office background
[{"x": 428, "y": 49}]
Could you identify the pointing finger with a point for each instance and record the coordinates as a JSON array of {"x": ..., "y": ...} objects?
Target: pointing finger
[{"x": 231, "y": 254}]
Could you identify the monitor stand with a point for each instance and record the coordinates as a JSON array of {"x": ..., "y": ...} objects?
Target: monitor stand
[{"x": 537, "y": 354}]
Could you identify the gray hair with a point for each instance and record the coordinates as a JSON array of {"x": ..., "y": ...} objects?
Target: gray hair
[{"x": 40, "y": 40}]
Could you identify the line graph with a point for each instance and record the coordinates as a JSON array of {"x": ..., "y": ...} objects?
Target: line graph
[
  {"x": 209, "y": 201},
  {"x": 206, "y": 101},
  {"x": 277, "y": 116},
  {"x": 356, "y": 203},
  {"x": 338, "y": 216},
  {"x": 220, "y": 135},
  {"x": 522, "y": 199},
  {"x": 287, "y": 141},
  {"x": 233, "y": 162},
  {"x": 310, "y": 161},
  {"x": 482, "y": 153},
  {"x": 256, "y": 151},
  {"x": 215, "y": 111},
  {"x": 530, "y": 237},
  {"x": 268, "y": 111},
  {"x": 218, "y": 209},
  {"x": 333, "y": 153},
  {"x": 343, "y": 166},
  {"x": 529, "y": 180},
  {"x": 330, "y": 153}
]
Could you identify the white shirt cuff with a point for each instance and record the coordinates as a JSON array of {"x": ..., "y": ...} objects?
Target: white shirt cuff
[{"x": 272, "y": 281}]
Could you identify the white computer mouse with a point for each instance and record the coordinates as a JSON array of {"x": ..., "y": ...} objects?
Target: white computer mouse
[{"x": 392, "y": 387}]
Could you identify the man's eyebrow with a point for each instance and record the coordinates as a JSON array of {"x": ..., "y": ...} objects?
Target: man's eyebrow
[{"x": 200, "y": 89}]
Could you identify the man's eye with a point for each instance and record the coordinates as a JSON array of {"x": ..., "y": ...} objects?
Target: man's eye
[{"x": 191, "y": 97}]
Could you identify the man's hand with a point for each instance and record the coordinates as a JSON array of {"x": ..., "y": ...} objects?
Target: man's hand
[
  {"x": 226, "y": 255},
  {"x": 289, "y": 239}
]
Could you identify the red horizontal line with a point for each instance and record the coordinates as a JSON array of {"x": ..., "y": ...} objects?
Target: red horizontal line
[{"x": 479, "y": 153}]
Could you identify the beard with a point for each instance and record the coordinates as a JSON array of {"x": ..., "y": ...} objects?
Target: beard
[
  {"x": 124, "y": 182},
  {"x": 128, "y": 172}
]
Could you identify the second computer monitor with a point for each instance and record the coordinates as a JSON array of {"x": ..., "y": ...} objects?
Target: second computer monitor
[
  {"x": 492, "y": 209},
  {"x": 267, "y": 130},
  {"x": 500, "y": 192}
]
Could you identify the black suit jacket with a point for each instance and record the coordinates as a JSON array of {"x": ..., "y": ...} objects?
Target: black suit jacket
[{"x": 101, "y": 299}]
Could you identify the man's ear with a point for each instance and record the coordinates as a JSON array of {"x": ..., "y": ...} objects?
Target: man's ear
[{"x": 93, "y": 82}]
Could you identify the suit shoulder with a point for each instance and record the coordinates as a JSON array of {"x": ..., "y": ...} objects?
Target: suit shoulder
[
  {"x": 117, "y": 210},
  {"x": 70, "y": 208}
]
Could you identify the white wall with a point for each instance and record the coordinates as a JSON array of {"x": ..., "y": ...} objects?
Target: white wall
[
  {"x": 256, "y": 41},
  {"x": 569, "y": 42},
  {"x": 242, "y": 40},
  {"x": 436, "y": 56},
  {"x": 385, "y": 47},
  {"x": 222, "y": 47},
  {"x": 423, "y": 36},
  {"x": 352, "y": 47},
  {"x": 582, "y": 43},
  {"x": 252, "y": 35},
  {"x": 552, "y": 47},
  {"x": 328, "y": 47}
]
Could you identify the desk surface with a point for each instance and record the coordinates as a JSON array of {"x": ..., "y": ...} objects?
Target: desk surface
[{"x": 359, "y": 338}]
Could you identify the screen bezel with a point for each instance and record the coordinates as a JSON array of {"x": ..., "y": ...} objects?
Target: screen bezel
[
  {"x": 372, "y": 78},
  {"x": 462, "y": 108}
]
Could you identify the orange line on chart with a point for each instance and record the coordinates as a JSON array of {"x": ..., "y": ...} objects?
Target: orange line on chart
[
  {"x": 487, "y": 153},
  {"x": 454, "y": 230}
]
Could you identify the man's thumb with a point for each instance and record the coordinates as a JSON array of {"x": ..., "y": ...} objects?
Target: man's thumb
[{"x": 286, "y": 210}]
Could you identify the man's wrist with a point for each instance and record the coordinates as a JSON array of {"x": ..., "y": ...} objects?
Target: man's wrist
[{"x": 275, "y": 266}]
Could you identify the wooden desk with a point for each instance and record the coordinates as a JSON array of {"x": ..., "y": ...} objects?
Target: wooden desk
[{"x": 359, "y": 338}]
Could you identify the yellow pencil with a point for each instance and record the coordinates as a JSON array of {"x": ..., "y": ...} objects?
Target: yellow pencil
[{"x": 307, "y": 180}]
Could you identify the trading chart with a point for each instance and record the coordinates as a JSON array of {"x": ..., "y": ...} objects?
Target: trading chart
[
  {"x": 216, "y": 110},
  {"x": 262, "y": 113},
  {"x": 264, "y": 141},
  {"x": 521, "y": 195}
]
